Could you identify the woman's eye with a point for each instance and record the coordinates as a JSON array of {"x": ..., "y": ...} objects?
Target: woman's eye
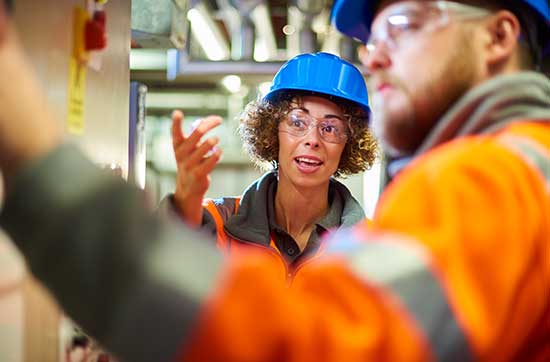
[{"x": 296, "y": 122}]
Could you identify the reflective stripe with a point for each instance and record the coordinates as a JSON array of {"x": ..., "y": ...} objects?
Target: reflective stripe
[
  {"x": 403, "y": 269},
  {"x": 223, "y": 240},
  {"x": 534, "y": 153},
  {"x": 237, "y": 203}
]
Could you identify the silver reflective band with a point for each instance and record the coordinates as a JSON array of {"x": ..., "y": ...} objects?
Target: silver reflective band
[
  {"x": 531, "y": 151},
  {"x": 403, "y": 269}
]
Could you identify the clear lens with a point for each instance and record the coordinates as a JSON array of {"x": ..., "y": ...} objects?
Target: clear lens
[
  {"x": 299, "y": 123},
  {"x": 409, "y": 18}
]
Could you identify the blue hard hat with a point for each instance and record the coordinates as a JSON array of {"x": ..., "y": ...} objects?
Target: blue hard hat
[
  {"x": 322, "y": 73},
  {"x": 354, "y": 17}
]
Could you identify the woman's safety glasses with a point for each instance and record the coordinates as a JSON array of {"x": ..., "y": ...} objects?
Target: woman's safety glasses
[
  {"x": 406, "y": 19},
  {"x": 299, "y": 123}
]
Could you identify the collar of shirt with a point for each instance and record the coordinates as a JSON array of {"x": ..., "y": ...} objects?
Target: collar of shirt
[{"x": 286, "y": 244}]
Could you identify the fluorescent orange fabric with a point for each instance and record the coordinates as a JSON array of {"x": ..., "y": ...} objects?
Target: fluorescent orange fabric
[
  {"x": 481, "y": 211},
  {"x": 327, "y": 314},
  {"x": 230, "y": 246},
  {"x": 234, "y": 247},
  {"x": 485, "y": 215},
  {"x": 223, "y": 239}
]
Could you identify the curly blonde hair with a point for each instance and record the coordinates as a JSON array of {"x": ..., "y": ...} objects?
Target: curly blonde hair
[{"x": 259, "y": 131}]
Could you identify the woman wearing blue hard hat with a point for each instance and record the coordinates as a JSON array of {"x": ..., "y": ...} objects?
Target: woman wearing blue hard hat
[{"x": 311, "y": 126}]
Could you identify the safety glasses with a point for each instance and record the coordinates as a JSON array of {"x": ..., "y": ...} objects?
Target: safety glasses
[
  {"x": 299, "y": 123},
  {"x": 404, "y": 20}
]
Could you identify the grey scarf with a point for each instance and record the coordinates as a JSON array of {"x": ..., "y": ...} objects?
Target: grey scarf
[{"x": 488, "y": 108}]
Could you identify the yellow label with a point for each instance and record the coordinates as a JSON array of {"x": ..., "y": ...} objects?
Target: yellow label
[
  {"x": 77, "y": 74},
  {"x": 77, "y": 94},
  {"x": 79, "y": 27}
]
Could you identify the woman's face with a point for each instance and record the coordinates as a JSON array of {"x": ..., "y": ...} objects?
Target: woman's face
[{"x": 311, "y": 141}]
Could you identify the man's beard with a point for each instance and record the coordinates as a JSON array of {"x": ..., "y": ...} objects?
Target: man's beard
[
  {"x": 378, "y": 124},
  {"x": 394, "y": 128}
]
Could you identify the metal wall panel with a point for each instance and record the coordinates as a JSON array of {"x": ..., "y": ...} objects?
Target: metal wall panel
[
  {"x": 45, "y": 28},
  {"x": 46, "y": 31}
]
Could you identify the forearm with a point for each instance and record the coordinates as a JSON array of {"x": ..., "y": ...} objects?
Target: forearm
[
  {"x": 28, "y": 127},
  {"x": 189, "y": 209}
]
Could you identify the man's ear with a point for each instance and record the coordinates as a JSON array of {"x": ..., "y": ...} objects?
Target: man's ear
[{"x": 504, "y": 31}]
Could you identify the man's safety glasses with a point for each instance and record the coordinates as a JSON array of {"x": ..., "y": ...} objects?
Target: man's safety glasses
[
  {"x": 299, "y": 123},
  {"x": 411, "y": 17}
]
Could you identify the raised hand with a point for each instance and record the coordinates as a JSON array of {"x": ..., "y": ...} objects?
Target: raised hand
[{"x": 195, "y": 160}]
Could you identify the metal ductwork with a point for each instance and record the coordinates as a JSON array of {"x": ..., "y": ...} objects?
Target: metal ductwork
[
  {"x": 251, "y": 29},
  {"x": 236, "y": 16},
  {"x": 312, "y": 7},
  {"x": 301, "y": 16},
  {"x": 246, "y": 31},
  {"x": 249, "y": 24},
  {"x": 244, "y": 50},
  {"x": 307, "y": 37},
  {"x": 159, "y": 23}
]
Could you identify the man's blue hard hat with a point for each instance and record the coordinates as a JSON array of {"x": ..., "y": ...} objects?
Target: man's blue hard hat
[
  {"x": 354, "y": 17},
  {"x": 324, "y": 74}
]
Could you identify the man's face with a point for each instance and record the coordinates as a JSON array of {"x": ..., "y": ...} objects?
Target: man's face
[{"x": 419, "y": 65}]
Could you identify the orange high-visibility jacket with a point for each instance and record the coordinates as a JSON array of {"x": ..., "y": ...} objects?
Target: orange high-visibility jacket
[
  {"x": 456, "y": 267},
  {"x": 230, "y": 246},
  {"x": 241, "y": 223}
]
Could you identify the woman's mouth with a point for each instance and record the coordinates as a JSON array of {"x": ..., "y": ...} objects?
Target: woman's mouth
[{"x": 308, "y": 164}]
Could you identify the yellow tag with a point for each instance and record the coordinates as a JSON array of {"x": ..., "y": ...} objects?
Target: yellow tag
[
  {"x": 77, "y": 74},
  {"x": 79, "y": 27},
  {"x": 77, "y": 94}
]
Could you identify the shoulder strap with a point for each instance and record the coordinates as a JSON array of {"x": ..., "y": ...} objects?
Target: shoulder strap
[
  {"x": 237, "y": 203},
  {"x": 223, "y": 241}
]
